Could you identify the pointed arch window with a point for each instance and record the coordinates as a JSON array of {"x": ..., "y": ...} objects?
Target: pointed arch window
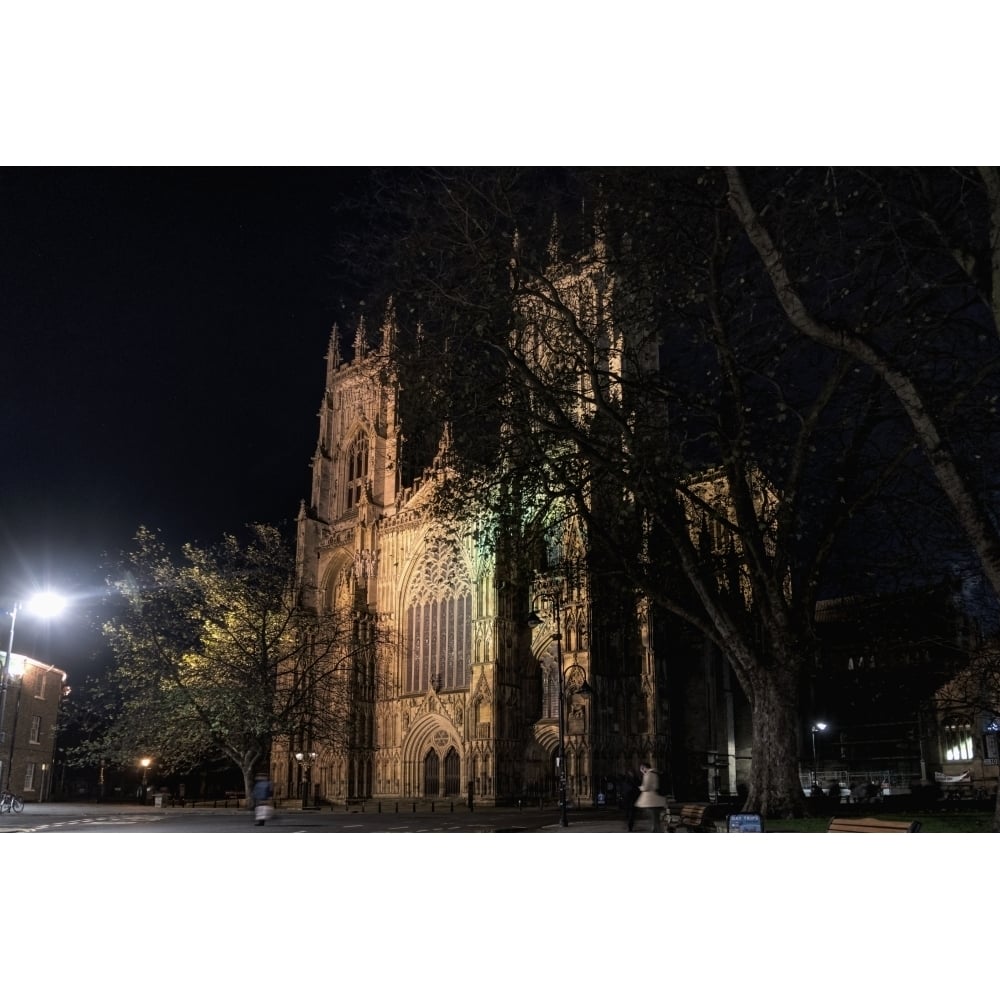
[
  {"x": 438, "y": 624},
  {"x": 356, "y": 470}
]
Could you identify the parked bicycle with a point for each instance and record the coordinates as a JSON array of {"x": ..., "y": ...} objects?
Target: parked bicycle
[{"x": 9, "y": 802}]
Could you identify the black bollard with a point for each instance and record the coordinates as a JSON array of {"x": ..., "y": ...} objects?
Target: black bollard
[
  {"x": 380, "y": 806},
  {"x": 432, "y": 805}
]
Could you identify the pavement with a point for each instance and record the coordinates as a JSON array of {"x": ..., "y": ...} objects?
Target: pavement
[{"x": 497, "y": 819}]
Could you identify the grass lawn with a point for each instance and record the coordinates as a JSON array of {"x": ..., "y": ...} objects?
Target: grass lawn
[{"x": 951, "y": 822}]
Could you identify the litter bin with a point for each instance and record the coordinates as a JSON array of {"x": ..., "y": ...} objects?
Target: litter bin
[{"x": 159, "y": 800}]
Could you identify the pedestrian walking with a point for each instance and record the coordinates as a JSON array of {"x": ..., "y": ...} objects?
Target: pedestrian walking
[
  {"x": 650, "y": 798},
  {"x": 263, "y": 792}
]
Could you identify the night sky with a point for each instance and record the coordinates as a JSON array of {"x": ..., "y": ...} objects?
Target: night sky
[{"x": 163, "y": 334}]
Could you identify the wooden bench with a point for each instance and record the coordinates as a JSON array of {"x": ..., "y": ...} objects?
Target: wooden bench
[
  {"x": 868, "y": 824},
  {"x": 695, "y": 817}
]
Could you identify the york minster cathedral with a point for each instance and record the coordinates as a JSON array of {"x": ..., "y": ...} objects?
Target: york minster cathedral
[{"x": 467, "y": 699}]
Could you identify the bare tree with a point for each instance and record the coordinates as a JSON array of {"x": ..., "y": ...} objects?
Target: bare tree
[{"x": 629, "y": 377}]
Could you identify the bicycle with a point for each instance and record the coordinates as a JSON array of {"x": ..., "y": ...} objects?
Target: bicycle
[{"x": 9, "y": 802}]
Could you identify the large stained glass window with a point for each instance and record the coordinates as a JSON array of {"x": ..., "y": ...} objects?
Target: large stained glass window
[{"x": 438, "y": 624}]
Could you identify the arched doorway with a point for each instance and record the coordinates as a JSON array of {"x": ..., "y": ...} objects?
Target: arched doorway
[{"x": 432, "y": 774}]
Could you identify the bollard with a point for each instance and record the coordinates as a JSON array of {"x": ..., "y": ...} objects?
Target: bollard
[
  {"x": 414, "y": 807},
  {"x": 397, "y": 807},
  {"x": 452, "y": 805},
  {"x": 432, "y": 805},
  {"x": 380, "y": 806}
]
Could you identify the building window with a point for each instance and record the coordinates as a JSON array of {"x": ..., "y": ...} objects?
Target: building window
[
  {"x": 439, "y": 634},
  {"x": 550, "y": 689},
  {"x": 36, "y": 729},
  {"x": 40, "y": 677},
  {"x": 957, "y": 739},
  {"x": 357, "y": 471},
  {"x": 29, "y": 777},
  {"x": 438, "y": 624}
]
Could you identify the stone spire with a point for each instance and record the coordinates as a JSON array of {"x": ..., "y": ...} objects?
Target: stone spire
[
  {"x": 389, "y": 328},
  {"x": 360, "y": 341},
  {"x": 333, "y": 357}
]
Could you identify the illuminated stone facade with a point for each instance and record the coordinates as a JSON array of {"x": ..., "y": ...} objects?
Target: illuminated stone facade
[{"x": 466, "y": 697}]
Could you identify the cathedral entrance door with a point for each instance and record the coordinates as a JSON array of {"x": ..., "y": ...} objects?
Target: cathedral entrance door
[
  {"x": 432, "y": 774},
  {"x": 452, "y": 772}
]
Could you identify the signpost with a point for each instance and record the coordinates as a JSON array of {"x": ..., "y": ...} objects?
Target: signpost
[{"x": 745, "y": 823}]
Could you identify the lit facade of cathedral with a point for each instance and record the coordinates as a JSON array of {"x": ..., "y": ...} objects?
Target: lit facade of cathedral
[{"x": 465, "y": 699}]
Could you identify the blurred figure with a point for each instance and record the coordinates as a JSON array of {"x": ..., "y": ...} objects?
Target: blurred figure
[
  {"x": 263, "y": 792},
  {"x": 650, "y": 798}
]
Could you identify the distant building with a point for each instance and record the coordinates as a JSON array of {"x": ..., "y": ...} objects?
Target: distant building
[{"x": 28, "y": 728}]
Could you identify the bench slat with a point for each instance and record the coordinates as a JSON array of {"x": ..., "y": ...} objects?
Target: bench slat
[{"x": 869, "y": 824}]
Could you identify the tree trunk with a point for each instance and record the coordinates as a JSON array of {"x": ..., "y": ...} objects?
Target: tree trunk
[{"x": 775, "y": 787}]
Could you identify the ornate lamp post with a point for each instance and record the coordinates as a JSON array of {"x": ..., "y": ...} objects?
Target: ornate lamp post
[{"x": 305, "y": 759}]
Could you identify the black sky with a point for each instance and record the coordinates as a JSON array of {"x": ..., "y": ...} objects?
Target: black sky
[{"x": 162, "y": 333}]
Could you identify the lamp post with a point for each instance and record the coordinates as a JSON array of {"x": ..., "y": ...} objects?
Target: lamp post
[
  {"x": 46, "y": 605},
  {"x": 144, "y": 764},
  {"x": 817, "y": 727},
  {"x": 533, "y": 622},
  {"x": 15, "y": 670},
  {"x": 305, "y": 759}
]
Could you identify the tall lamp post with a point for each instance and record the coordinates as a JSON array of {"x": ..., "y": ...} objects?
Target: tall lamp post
[
  {"x": 15, "y": 670},
  {"x": 46, "y": 605},
  {"x": 817, "y": 727},
  {"x": 533, "y": 622},
  {"x": 305, "y": 759},
  {"x": 144, "y": 764}
]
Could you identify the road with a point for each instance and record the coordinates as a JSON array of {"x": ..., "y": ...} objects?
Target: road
[{"x": 91, "y": 818}]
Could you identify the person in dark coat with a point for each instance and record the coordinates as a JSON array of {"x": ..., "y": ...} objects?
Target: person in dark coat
[{"x": 629, "y": 793}]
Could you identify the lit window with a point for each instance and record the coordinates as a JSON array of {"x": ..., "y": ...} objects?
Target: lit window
[
  {"x": 29, "y": 777},
  {"x": 438, "y": 625},
  {"x": 958, "y": 743}
]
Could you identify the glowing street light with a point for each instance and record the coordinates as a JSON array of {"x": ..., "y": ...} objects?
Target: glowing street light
[
  {"x": 305, "y": 759},
  {"x": 817, "y": 727},
  {"x": 45, "y": 605},
  {"x": 145, "y": 765}
]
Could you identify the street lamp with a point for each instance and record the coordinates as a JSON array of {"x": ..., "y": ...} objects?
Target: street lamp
[
  {"x": 45, "y": 605},
  {"x": 16, "y": 670},
  {"x": 305, "y": 759},
  {"x": 817, "y": 727},
  {"x": 533, "y": 622},
  {"x": 144, "y": 764}
]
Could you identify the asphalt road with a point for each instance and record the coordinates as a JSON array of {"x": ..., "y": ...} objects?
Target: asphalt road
[{"x": 90, "y": 818}]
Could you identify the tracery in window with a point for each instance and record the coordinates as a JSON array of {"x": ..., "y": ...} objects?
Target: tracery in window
[
  {"x": 438, "y": 623},
  {"x": 356, "y": 470}
]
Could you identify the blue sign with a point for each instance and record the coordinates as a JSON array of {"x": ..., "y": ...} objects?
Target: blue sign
[{"x": 746, "y": 823}]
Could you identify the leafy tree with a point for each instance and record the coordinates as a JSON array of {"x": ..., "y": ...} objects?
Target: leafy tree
[{"x": 215, "y": 656}]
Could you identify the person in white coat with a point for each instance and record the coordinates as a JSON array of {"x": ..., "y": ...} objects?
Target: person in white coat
[{"x": 650, "y": 797}]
